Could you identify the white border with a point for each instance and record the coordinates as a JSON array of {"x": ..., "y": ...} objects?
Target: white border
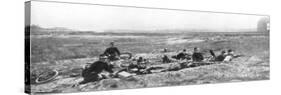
[{"x": 12, "y": 46}]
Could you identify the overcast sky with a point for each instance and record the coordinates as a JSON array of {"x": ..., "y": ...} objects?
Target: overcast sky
[{"x": 101, "y": 18}]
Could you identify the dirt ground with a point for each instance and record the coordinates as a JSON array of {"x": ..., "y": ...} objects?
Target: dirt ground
[{"x": 254, "y": 65}]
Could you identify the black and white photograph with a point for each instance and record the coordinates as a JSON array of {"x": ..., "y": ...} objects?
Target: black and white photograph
[{"x": 81, "y": 47}]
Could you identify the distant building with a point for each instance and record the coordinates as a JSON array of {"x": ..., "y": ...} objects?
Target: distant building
[{"x": 263, "y": 25}]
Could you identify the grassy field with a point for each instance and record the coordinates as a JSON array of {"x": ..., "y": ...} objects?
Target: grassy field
[{"x": 66, "y": 53}]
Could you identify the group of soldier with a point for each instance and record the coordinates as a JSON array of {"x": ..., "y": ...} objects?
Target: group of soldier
[
  {"x": 91, "y": 71},
  {"x": 197, "y": 56}
]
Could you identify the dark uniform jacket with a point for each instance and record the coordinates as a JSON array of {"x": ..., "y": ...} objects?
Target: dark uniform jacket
[
  {"x": 220, "y": 58},
  {"x": 197, "y": 57},
  {"x": 112, "y": 51},
  {"x": 96, "y": 68}
]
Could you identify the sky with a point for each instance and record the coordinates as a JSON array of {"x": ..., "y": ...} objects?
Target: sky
[{"x": 101, "y": 18}]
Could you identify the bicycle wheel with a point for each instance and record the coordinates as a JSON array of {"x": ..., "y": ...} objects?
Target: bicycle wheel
[
  {"x": 126, "y": 55},
  {"x": 47, "y": 76}
]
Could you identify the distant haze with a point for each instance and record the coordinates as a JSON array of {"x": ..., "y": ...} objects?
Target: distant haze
[{"x": 102, "y": 18}]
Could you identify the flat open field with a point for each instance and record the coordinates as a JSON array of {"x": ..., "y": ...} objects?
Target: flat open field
[{"x": 67, "y": 53}]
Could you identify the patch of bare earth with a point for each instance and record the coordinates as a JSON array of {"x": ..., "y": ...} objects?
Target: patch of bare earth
[
  {"x": 241, "y": 69},
  {"x": 253, "y": 66}
]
